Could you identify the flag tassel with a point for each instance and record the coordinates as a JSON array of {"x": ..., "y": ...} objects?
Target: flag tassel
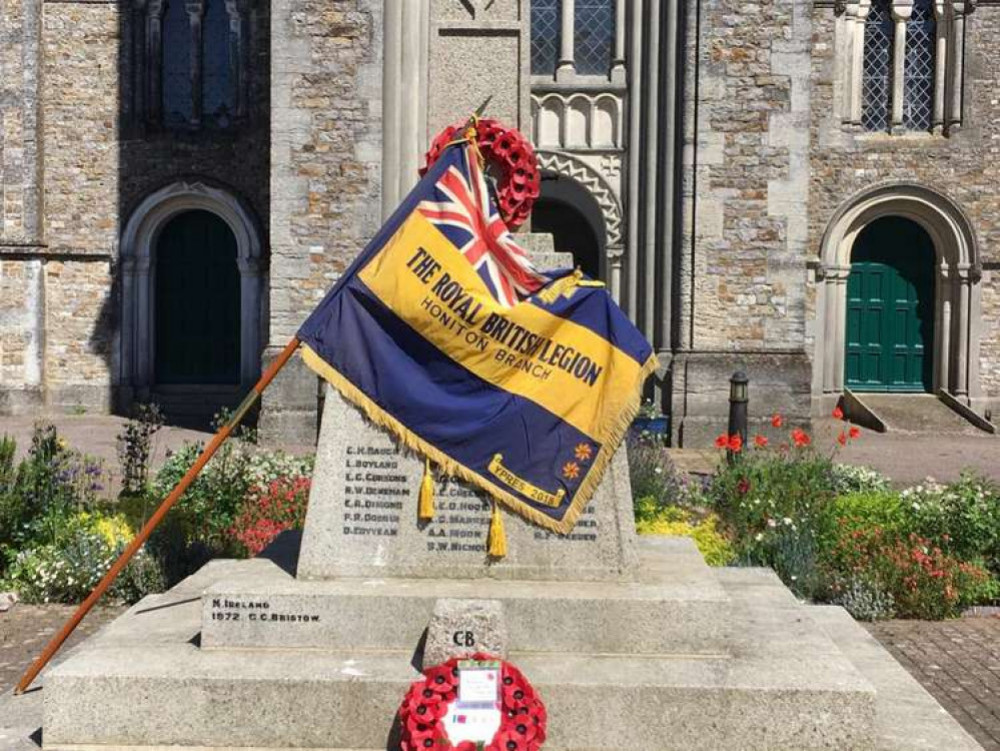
[
  {"x": 497, "y": 537},
  {"x": 425, "y": 510}
]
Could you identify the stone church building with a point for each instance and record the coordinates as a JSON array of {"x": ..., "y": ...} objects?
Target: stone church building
[{"x": 803, "y": 189}]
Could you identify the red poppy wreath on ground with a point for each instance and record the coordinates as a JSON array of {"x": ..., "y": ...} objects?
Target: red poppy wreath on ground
[
  {"x": 523, "y": 718},
  {"x": 507, "y": 154}
]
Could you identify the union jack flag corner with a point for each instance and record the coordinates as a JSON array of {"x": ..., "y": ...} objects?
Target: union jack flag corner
[{"x": 519, "y": 382}]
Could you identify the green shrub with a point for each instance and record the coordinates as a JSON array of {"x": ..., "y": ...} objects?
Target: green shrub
[
  {"x": 674, "y": 521},
  {"x": 135, "y": 445},
  {"x": 863, "y": 597},
  {"x": 849, "y": 478},
  {"x": 923, "y": 580},
  {"x": 68, "y": 566},
  {"x": 863, "y": 510},
  {"x": 963, "y": 518},
  {"x": 651, "y": 471}
]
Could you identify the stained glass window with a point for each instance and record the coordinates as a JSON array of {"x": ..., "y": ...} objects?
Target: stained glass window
[
  {"x": 595, "y": 35},
  {"x": 876, "y": 84},
  {"x": 177, "y": 97},
  {"x": 546, "y": 18},
  {"x": 918, "y": 68},
  {"x": 217, "y": 84}
]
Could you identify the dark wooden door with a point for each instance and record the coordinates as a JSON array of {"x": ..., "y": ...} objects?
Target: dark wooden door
[
  {"x": 197, "y": 301},
  {"x": 890, "y": 308}
]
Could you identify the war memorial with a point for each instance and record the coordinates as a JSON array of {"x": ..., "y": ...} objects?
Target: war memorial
[{"x": 630, "y": 644}]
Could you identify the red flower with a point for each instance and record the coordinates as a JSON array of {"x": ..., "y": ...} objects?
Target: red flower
[
  {"x": 800, "y": 438},
  {"x": 722, "y": 441},
  {"x": 509, "y": 740},
  {"x": 760, "y": 441},
  {"x": 441, "y": 678},
  {"x": 854, "y": 432},
  {"x": 838, "y": 413},
  {"x": 735, "y": 443},
  {"x": 777, "y": 420},
  {"x": 842, "y": 438},
  {"x": 743, "y": 486}
]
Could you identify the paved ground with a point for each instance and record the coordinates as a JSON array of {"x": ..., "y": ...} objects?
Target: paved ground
[
  {"x": 958, "y": 662},
  {"x": 26, "y": 629}
]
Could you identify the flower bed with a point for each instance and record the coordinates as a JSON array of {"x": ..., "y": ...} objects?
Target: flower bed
[{"x": 833, "y": 532}]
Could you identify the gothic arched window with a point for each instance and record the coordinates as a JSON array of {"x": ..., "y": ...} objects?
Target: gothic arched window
[
  {"x": 546, "y": 19},
  {"x": 178, "y": 102},
  {"x": 919, "y": 66},
  {"x": 217, "y": 68},
  {"x": 876, "y": 78},
  {"x": 594, "y": 36},
  {"x": 189, "y": 60}
]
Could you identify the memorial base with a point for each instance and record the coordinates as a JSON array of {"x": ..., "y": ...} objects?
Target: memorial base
[{"x": 161, "y": 676}]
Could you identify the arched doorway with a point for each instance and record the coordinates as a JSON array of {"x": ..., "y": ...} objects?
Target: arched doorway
[
  {"x": 567, "y": 211},
  {"x": 935, "y": 227},
  {"x": 890, "y": 308},
  {"x": 216, "y": 221},
  {"x": 197, "y": 301}
]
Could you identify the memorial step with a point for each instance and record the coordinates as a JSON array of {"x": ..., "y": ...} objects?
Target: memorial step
[
  {"x": 676, "y": 607},
  {"x": 145, "y": 682}
]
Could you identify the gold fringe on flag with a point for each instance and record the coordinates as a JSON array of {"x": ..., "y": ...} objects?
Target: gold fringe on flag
[
  {"x": 497, "y": 541},
  {"x": 425, "y": 510}
]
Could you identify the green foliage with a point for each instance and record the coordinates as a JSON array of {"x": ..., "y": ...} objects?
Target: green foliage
[
  {"x": 134, "y": 444},
  {"x": 653, "y": 519},
  {"x": 863, "y": 597},
  {"x": 850, "y": 478},
  {"x": 66, "y": 567},
  {"x": 651, "y": 471},
  {"x": 963, "y": 518},
  {"x": 841, "y": 534}
]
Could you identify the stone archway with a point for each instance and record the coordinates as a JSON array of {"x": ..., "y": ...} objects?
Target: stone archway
[
  {"x": 607, "y": 203},
  {"x": 957, "y": 290},
  {"x": 139, "y": 241}
]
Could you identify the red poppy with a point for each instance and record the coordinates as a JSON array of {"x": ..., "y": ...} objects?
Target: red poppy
[
  {"x": 441, "y": 678},
  {"x": 800, "y": 438},
  {"x": 777, "y": 420},
  {"x": 518, "y": 695},
  {"x": 743, "y": 486},
  {"x": 760, "y": 441},
  {"x": 722, "y": 441},
  {"x": 509, "y": 740},
  {"x": 842, "y": 438},
  {"x": 838, "y": 413},
  {"x": 735, "y": 443},
  {"x": 466, "y": 746}
]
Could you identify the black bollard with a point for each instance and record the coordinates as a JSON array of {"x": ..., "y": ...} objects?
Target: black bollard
[{"x": 738, "y": 397}]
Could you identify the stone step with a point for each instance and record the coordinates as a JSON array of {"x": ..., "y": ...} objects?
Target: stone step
[
  {"x": 144, "y": 681},
  {"x": 179, "y": 695},
  {"x": 677, "y": 607},
  {"x": 916, "y": 413}
]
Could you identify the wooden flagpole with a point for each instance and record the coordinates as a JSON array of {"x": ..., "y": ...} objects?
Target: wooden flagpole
[{"x": 224, "y": 432}]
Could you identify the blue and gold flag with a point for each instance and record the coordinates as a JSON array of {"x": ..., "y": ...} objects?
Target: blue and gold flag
[{"x": 518, "y": 382}]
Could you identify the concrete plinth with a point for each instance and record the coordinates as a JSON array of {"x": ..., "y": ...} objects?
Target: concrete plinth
[{"x": 160, "y": 677}]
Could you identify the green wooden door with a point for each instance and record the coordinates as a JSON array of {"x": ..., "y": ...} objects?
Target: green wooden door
[
  {"x": 197, "y": 301},
  {"x": 890, "y": 308}
]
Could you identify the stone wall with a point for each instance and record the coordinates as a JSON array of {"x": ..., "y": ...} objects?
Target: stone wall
[
  {"x": 325, "y": 156},
  {"x": 745, "y": 235},
  {"x": 962, "y": 166},
  {"x": 59, "y": 313}
]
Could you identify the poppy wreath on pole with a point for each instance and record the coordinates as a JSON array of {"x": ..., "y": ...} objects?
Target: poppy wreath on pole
[
  {"x": 507, "y": 154},
  {"x": 523, "y": 718}
]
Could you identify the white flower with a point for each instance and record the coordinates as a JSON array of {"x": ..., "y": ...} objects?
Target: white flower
[
  {"x": 787, "y": 521},
  {"x": 772, "y": 523},
  {"x": 759, "y": 536}
]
